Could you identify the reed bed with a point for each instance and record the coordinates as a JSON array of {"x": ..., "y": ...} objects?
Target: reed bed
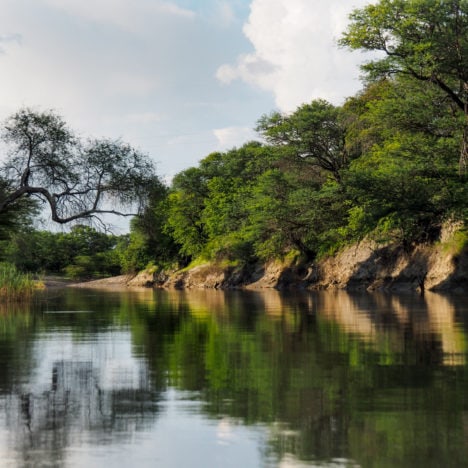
[{"x": 16, "y": 286}]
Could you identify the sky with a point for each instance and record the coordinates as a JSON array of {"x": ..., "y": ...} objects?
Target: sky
[{"x": 177, "y": 79}]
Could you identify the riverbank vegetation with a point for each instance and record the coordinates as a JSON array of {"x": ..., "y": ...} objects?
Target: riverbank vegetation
[
  {"x": 14, "y": 285},
  {"x": 390, "y": 163}
]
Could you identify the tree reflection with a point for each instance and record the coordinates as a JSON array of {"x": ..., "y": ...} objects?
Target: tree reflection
[
  {"x": 330, "y": 375},
  {"x": 79, "y": 400},
  {"x": 321, "y": 369},
  {"x": 76, "y": 406}
]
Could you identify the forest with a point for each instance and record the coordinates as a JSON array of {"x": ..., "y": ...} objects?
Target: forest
[{"x": 389, "y": 164}]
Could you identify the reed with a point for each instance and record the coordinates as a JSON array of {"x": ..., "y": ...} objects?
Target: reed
[{"x": 14, "y": 285}]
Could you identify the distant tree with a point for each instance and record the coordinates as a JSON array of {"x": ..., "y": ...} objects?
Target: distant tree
[
  {"x": 148, "y": 242},
  {"x": 424, "y": 39},
  {"x": 79, "y": 181},
  {"x": 53, "y": 252}
]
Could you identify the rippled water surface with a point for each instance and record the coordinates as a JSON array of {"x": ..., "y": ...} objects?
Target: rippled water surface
[{"x": 233, "y": 379}]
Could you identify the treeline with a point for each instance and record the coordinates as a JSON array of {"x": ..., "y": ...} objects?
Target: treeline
[
  {"x": 390, "y": 163},
  {"x": 83, "y": 252},
  {"x": 385, "y": 164}
]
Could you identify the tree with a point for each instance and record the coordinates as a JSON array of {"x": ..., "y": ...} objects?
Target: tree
[
  {"x": 148, "y": 241},
  {"x": 404, "y": 184},
  {"x": 186, "y": 202},
  {"x": 79, "y": 181},
  {"x": 314, "y": 132},
  {"x": 424, "y": 39},
  {"x": 15, "y": 216},
  {"x": 207, "y": 213},
  {"x": 233, "y": 176},
  {"x": 34, "y": 251}
]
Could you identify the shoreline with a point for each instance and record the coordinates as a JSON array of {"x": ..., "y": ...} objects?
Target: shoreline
[{"x": 365, "y": 266}]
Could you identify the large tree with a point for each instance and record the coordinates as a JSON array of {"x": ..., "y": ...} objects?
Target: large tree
[
  {"x": 78, "y": 180},
  {"x": 314, "y": 133},
  {"x": 16, "y": 216},
  {"x": 424, "y": 39}
]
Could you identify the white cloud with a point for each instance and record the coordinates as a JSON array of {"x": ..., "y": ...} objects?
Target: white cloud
[
  {"x": 139, "y": 70},
  {"x": 233, "y": 136},
  {"x": 296, "y": 56}
]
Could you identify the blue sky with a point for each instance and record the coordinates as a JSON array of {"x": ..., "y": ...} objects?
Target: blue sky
[{"x": 176, "y": 78}]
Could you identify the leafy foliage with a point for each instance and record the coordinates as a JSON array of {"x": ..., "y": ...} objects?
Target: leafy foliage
[
  {"x": 81, "y": 253},
  {"x": 148, "y": 239},
  {"x": 384, "y": 164},
  {"x": 423, "y": 39},
  {"x": 313, "y": 132},
  {"x": 79, "y": 181},
  {"x": 389, "y": 163}
]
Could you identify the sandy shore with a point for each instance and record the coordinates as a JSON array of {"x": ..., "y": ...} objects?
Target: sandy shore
[
  {"x": 53, "y": 282},
  {"x": 114, "y": 281},
  {"x": 56, "y": 282}
]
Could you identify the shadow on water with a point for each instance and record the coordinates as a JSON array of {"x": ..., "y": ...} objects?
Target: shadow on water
[{"x": 371, "y": 379}]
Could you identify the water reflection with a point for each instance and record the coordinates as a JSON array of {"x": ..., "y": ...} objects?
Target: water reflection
[{"x": 240, "y": 378}]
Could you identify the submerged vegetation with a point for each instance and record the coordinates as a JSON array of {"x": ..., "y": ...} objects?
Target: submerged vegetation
[{"x": 389, "y": 163}]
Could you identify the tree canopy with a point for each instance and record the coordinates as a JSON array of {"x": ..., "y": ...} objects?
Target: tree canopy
[
  {"x": 78, "y": 180},
  {"x": 314, "y": 132},
  {"x": 424, "y": 39}
]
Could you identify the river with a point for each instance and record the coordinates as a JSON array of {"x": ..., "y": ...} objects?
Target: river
[{"x": 204, "y": 379}]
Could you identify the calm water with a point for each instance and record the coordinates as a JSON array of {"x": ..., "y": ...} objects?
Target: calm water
[{"x": 240, "y": 379}]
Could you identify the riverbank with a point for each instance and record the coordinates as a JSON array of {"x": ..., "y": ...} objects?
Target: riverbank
[
  {"x": 113, "y": 282},
  {"x": 367, "y": 265},
  {"x": 364, "y": 266},
  {"x": 52, "y": 282}
]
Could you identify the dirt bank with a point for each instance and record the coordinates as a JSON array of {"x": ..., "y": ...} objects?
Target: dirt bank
[
  {"x": 441, "y": 266},
  {"x": 108, "y": 283}
]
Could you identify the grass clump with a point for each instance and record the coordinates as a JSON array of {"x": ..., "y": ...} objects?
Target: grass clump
[
  {"x": 14, "y": 285},
  {"x": 456, "y": 243}
]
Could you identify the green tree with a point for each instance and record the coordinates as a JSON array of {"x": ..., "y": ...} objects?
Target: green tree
[
  {"x": 77, "y": 180},
  {"x": 186, "y": 202},
  {"x": 288, "y": 213},
  {"x": 148, "y": 241},
  {"x": 16, "y": 216},
  {"x": 405, "y": 181},
  {"x": 31, "y": 250},
  {"x": 35, "y": 251},
  {"x": 207, "y": 212},
  {"x": 314, "y": 133},
  {"x": 233, "y": 178},
  {"x": 85, "y": 240},
  {"x": 424, "y": 39}
]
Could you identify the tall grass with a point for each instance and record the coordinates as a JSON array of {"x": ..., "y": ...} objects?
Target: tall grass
[{"x": 14, "y": 285}]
